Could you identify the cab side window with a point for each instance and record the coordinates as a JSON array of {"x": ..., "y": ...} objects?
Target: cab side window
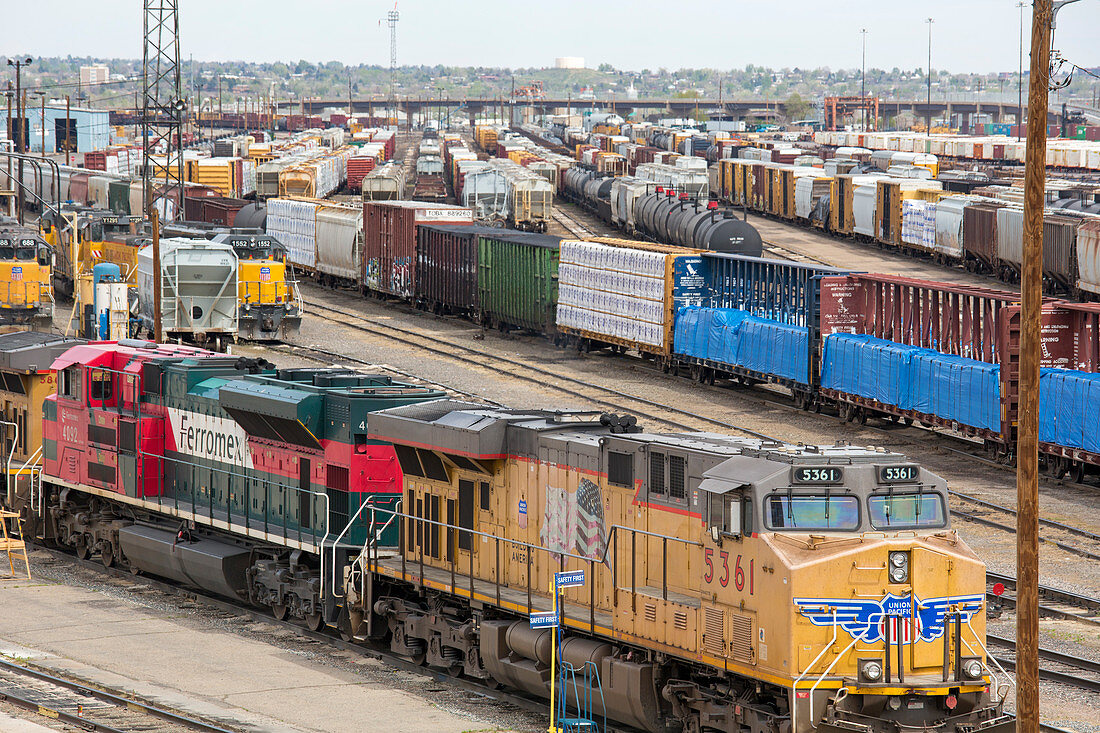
[
  {"x": 100, "y": 387},
  {"x": 68, "y": 383}
]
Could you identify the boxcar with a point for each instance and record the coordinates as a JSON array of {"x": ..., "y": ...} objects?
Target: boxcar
[
  {"x": 389, "y": 242},
  {"x": 446, "y": 268},
  {"x": 517, "y": 279}
]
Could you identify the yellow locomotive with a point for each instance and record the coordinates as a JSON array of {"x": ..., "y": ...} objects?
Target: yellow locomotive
[
  {"x": 268, "y": 300},
  {"x": 729, "y": 584},
  {"x": 84, "y": 237},
  {"x": 26, "y": 293}
]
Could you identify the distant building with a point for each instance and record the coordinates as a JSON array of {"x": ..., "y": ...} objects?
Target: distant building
[
  {"x": 569, "y": 62},
  {"x": 88, "y": 129},
  {"x": 94, "y": 74}
]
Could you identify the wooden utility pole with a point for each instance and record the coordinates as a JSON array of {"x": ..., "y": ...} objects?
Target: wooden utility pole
[
  {"x": 1027, "y": 448},
  {"x": 158, "y": 324}
]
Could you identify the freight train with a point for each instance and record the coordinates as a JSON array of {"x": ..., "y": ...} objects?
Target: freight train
[
  {"x": 716, "y": 573},
  {"x": 899, "y": 200}
]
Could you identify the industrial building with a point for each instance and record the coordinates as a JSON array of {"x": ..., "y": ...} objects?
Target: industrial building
[{"x": 88, "y": 129}]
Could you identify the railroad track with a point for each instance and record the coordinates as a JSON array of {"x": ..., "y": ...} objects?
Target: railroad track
[
  {"x": 89, "y": 707},
  {"x": 1070, "y": 667},
  {"x": 328, "y": 358},
  {"x": 1053, "y": 602},
  {"x": 608, "y": 397},
  {"x": 571, "y": 224}
]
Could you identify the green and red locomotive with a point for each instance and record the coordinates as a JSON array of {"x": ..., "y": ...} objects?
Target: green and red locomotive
[{"x": 219, "y": 471}]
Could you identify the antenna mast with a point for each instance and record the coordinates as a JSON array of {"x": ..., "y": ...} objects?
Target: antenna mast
[{"x": 163, "y": 105}]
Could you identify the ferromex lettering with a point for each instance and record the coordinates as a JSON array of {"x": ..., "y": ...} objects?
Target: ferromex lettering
[{"x": 209, "y": 437}]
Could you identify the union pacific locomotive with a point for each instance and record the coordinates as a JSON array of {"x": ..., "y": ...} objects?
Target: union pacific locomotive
[
  {"x": 217, "y": 471},
  {"x": 731, "y": 585}
]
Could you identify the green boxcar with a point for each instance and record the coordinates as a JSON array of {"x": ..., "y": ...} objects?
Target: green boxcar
[
  {"x": 517, "y": 279},
  {"x": 118, "y": 197}
]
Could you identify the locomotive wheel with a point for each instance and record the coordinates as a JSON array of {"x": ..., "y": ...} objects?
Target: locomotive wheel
[
  {"x": 315, "y": 621},
  {"x": 280, "y": 611},
  {"x": 107, "y": 555}
]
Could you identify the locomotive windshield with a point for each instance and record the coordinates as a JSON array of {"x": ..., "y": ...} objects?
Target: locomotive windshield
[
  {"x": 906, "y": 511},
  {"x": 21, "y": 249},
  {"x": 814, "y": 511}
]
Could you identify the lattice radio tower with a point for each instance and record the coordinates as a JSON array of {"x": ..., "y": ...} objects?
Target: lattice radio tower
[
  {"x": 392, "y": 17},
  {"x": 163, "y": 105}
]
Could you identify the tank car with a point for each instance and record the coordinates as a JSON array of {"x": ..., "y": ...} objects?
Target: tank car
[
  {"x": 218, "y": 472},
  {"x": 728, "y": 584}
]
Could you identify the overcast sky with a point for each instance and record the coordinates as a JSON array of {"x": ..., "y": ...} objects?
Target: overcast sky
[{"x": 968, "y": 35}]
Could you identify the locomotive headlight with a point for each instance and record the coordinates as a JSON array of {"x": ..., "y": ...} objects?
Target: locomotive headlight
[
  {"x": 973, "y": 669},
  {"x": 871, "y": 670},
  {"x": 899, "y": 567}
]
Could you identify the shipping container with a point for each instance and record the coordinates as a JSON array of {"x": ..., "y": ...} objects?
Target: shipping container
[
  {"x": 389, "y": 242},
  {"x": 518, "y": 280}
]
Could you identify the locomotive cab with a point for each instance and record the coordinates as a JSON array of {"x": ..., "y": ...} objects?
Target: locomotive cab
[
  {"x": 26, "y": 294},
  {"x": 887, "y": 622}
]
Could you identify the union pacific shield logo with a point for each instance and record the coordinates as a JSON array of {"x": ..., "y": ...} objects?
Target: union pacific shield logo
[
  {"x": 265, "y": 274},
  {"x": 867, "y": 619},
  {"x": 17, "y": 273}
]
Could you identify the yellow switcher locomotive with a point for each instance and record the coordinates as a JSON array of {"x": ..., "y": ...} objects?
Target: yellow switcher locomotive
[
  {"x": 26, "y": 293},
  {"x": 728, "y": 584},
  {"x": 268, "y": 301}
]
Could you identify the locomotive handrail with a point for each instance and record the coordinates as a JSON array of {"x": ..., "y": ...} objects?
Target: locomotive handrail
[
  {"x": 362, "y": 505},
  {"x": 989, "y": 656},
  {"x": 813, "y": 688},
  {"x": 34, "y": 465},
  {"x": 794, "y": 686}
]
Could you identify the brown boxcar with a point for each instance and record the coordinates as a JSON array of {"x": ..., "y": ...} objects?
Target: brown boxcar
[
  {"x": 980, "y": 236},
  {"x": 446, "y": 268},
  {"x": 389, "y": 242}
]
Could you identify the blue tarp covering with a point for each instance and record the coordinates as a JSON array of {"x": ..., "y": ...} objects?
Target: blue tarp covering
[
  {"x": 1063, "y": 419},
  {"x": 735, "y": 337},
  {"x": 912, "y": 378}
]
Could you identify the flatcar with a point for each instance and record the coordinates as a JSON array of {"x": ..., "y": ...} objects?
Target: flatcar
[
  {"x": 726, "y": 584},
  {"x": 216, "y": 471}
]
